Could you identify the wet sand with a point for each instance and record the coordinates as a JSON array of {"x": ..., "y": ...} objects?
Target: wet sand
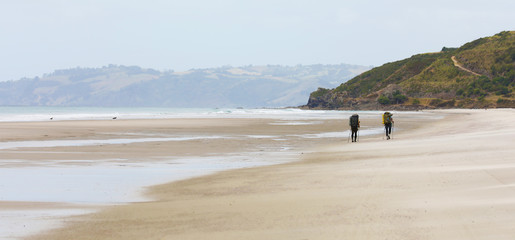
[
  {"x": 450, "y": 178},
  {"x": 53, "y": 169}
]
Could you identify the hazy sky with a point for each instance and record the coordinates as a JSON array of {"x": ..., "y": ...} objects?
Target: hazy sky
[{"x": 40, "y": 36}]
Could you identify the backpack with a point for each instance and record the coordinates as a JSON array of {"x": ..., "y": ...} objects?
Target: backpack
[
  {"x": 387, "y": 118},
  {"x": 354, "y": 120}
]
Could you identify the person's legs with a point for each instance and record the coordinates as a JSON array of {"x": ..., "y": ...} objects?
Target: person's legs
[
  {"x": 354, "y": 134},
  {"x": 388, "y": 128}
]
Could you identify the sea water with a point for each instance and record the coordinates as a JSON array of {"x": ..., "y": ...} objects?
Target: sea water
[
  {"x": 16, "y": 114},
  {"x": 114, "y": 181},
  {"x": 21, "y": 114}
]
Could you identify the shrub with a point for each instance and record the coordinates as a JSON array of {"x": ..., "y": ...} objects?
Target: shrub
[
  {"x": 384, "y": 100},
  {"x": 447, "y": 49},
  {"x": 502, "y": 91},
  {"x": 435, "y": 102},
  {"x": 319, "y": 93},
  {"x": 399, "y": 98}
]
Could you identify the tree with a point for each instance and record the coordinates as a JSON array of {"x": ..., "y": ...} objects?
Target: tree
[
  {"x": 384, "y": 100},
  {"x": 399, "y": 98}
]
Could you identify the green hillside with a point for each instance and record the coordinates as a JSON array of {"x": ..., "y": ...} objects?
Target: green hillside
[{"x": 479, "y": 74}]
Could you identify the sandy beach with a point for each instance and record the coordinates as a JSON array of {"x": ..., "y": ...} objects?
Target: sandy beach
[{"x": 448, "y": 175}]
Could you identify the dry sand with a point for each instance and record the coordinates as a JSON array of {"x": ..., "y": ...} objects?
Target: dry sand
[{"x": 446, "y": 179}]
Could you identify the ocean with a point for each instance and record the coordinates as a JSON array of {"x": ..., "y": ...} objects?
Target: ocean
[{"x": 16, "y": 114}]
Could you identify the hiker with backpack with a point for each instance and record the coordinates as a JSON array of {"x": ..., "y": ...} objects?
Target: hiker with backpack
[
  {"x": 354, "y": 125},
  {"x": 388, "y": 121}
]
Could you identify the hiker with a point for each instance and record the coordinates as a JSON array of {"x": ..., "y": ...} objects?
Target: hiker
[
  {"x": 354, "y": 125},
  {"x": 388, "y": 121}
]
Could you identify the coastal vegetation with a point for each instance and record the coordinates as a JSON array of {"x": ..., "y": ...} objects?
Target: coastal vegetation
[{"x": 479, "y": 74}]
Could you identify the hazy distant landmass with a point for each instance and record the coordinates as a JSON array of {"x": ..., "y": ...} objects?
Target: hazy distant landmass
[{"x": 133, "y": 86}]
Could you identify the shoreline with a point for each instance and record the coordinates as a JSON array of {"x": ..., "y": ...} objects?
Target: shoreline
[
  {"x": 276, "y": 192},
  {"x": 43, "y": 149},
  {"x": 447, "y": 184}
]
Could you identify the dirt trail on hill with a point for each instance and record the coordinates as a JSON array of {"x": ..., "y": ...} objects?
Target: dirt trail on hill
[{"x": 457, "y": 64}]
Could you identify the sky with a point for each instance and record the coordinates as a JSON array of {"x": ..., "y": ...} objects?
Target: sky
[{"x": 40, "y": 36}]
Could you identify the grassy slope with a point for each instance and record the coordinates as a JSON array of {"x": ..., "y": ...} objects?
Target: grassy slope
[{"x": 432, "y": 79}]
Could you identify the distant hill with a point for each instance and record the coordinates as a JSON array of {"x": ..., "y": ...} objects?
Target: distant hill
[
  {"x": 479, "y": 74},
  {"x": 132, "y": 86}
]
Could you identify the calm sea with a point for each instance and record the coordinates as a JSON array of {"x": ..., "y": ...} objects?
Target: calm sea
[{"x": 96, "y": 113}]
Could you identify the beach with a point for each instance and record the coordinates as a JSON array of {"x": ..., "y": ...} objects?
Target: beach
[
  {"x": 446, "y": 174},
  {"x": 61, "y": 162}
]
